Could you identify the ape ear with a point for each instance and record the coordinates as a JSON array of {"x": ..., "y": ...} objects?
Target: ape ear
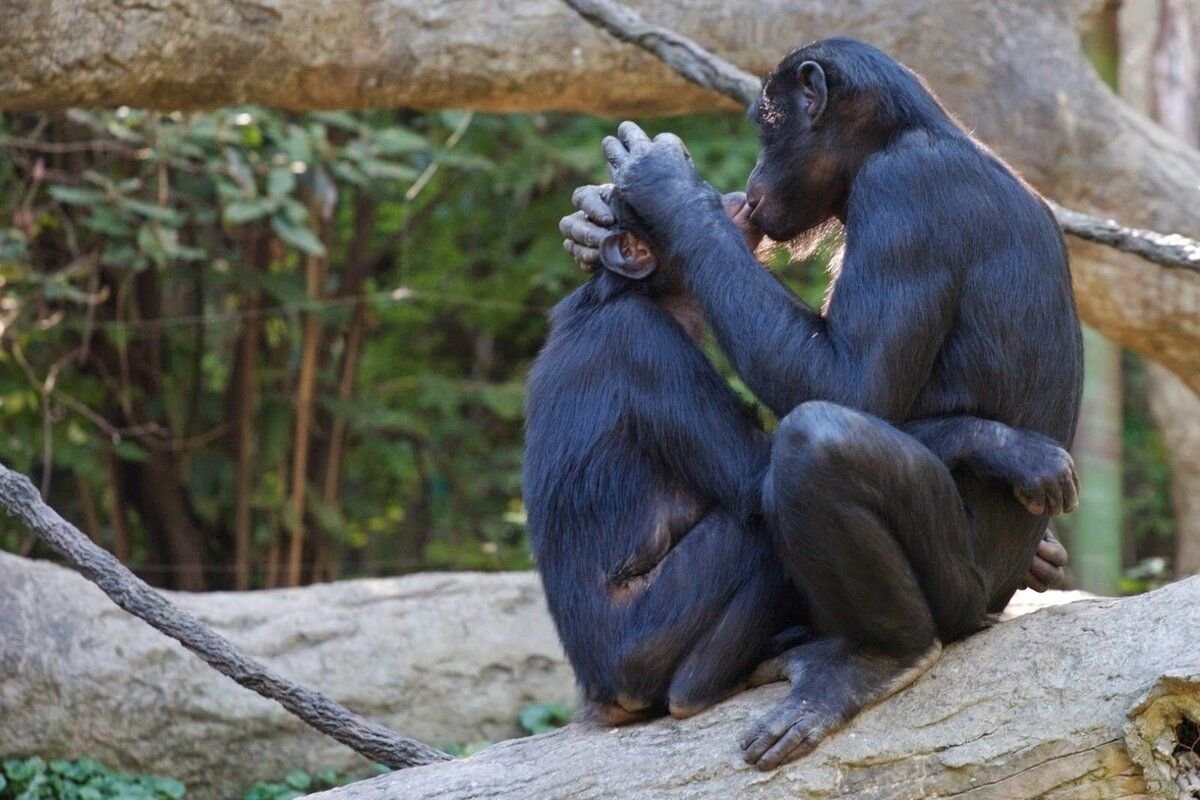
[
  {"x": 813, "y": 90},
  {"x": 625, "y": 254}
]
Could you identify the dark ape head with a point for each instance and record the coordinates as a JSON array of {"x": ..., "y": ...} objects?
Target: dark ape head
[{"x": 822, "y": 112}]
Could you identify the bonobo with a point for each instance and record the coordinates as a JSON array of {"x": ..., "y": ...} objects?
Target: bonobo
[
  {"x": 642, "y": 484},
  {"x": 952, "y": 307},
  {"x": 642, "y": 478}
]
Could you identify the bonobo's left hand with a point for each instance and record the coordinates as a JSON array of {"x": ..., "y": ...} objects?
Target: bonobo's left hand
[{"x": 657, "y": 180}]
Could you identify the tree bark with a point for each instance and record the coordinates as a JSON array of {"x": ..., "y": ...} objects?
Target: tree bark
[
  {"x": 1160, "y": 76},
  {"x": 1076, "y": 702},
  {"x": 1175, "y": 82}
]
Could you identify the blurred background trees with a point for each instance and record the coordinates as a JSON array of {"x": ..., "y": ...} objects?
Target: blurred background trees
[{"x": 250, "y": 348}]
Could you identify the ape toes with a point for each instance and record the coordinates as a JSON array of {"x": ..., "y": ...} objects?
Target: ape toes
[{"x": 785, "y": 735}]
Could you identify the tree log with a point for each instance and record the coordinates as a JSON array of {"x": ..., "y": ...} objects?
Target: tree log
[
  {"x": 447, "y": 658},
  {"x": 1096, "y": 699}
]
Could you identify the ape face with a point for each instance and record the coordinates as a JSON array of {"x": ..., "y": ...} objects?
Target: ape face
[{"x": 800, "y": 179}]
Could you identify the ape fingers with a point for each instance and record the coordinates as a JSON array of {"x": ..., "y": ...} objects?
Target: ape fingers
[
  {"x": 635, "y": 139},
  {"x": 583, "y": 239},
  {"x": 673, "y": 142},
  {"x": 1046, "y": 571},
  {"x": 594, "y": 201},
  {"x": 790, "y": 730}
]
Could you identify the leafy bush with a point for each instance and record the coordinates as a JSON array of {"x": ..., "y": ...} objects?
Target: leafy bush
[{"x": 81, "y": 779}]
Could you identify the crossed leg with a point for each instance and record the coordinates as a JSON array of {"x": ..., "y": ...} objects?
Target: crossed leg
[{"x": 870, "y": 525}]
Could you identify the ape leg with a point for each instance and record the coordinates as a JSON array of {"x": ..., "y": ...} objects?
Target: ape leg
[
  {"x": 696, "y": 629},
  {"x": 720, "y": 663},
  {"x": 869, "y": 524}
]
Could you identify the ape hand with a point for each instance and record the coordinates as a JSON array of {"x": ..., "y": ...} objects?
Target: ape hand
[
  {"x": 1046, "y": 482},
  {"x": 656, "y": 179},
  {"x": 1046, "y": 571},
  {"x": 588, "y": 226}
]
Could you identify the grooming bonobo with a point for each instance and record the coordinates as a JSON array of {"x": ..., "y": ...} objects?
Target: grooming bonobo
[
  {"x": 952, "y": 308},
  {"x": 923, "y": 410}
]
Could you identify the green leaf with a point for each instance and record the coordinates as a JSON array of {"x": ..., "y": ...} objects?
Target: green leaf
[
  {"x": 163, "y": 214},
  {"x": 128, "y": 451},
  {"x": 298, "y": 779},
  {"x": 242, "y": 211},
  {"x": 169, "y": 787},
  {"x": 398, "y": 141},
  {"x": 77, "y": 196},
  {"x": 378, "y": 168},
  {"x": 297, "y": 236},
  {"x": 541, "y": 717},
  {"x": 280, "y": 182}
]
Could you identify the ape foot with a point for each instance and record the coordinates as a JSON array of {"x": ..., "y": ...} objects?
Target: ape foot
[{"x": 830, "y": 684}]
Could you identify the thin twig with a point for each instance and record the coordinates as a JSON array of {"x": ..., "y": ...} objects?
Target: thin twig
[
  {"x": 703, "y": 68},
  {"x": 19, "y": 496}
]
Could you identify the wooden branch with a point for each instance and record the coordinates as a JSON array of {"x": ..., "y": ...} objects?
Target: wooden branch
[
  {"x": 1169, "y": 250},
  {"x": 706, "y": 69},
  {"x": 1096, "y": 699},
  {"x": 678, "y": 52},
  {"x": 21, "y": 499}
]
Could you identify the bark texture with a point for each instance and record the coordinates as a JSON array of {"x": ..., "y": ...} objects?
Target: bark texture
[
  {"x": 1012, "y": 70},
  {"x": 446, "y": 658},
  {"x": 1080, "y": 702}
]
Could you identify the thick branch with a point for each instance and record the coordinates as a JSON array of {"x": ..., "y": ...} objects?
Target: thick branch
[
  {"x": 678, "y": 52},
  {"x": 1034, "y": 707},
  {"x": 19, "y": 496}
]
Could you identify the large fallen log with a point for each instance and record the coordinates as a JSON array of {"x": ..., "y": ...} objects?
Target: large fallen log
[
  {"x": 1097, "y": 699},
  {"x": 446, "y": 658}
]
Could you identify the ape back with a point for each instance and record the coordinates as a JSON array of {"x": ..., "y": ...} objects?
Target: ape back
[{"x": 611, "y": 482}]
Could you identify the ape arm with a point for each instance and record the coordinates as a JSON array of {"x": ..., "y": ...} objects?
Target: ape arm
[
  {"x": 875, "y": 344},
  {"x": 1040, "y": 472}
]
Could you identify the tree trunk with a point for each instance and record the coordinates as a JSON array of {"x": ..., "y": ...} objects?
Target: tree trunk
[
  {"x": 1096, "y": 541},
  {"x": 1175, "y": 84},
  {"x": 315, "y": 271},
  {"x": 1091, "y": 700}
]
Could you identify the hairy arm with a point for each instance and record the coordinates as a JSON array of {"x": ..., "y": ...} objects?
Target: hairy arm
[
  {"x": 1041, "y": 473},
  {"x": 875, "y": 344}
]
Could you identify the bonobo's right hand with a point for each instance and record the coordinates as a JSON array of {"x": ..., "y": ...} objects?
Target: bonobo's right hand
[
  {"x": 658, "y": 180},
  {"x": 587, "y": 227}
]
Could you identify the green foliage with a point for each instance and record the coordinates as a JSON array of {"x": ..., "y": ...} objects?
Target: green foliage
[
  {"x": 542, "y": 717},
  {"x": 81, "y": 779},
  {"x": 136, "y": 248},
  {"x": 132, "y": 245},
  {"x": 297, "y": 783}
]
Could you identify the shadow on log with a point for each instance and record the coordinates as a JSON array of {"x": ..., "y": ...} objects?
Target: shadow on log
[{"x": 1096, "y": 699}]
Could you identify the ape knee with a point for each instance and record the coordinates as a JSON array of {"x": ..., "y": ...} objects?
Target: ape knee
[{"x": 816, "y": 434}]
